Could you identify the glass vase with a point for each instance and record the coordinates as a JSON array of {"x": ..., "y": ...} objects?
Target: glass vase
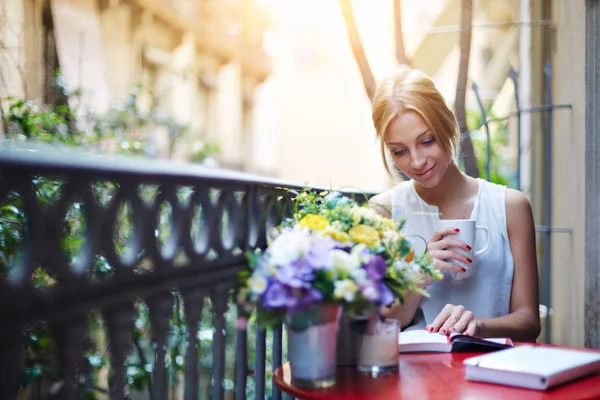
[{"x": 312, "y": 334}]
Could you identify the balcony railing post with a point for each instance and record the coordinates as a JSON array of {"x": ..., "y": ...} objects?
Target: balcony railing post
[
  {"x": 11, "y": 357},
  {"x": 219, "y": 299},
  {"x": 193, "y": 304},
  {"x": 241, "y": 359},
  {"x": 260, "y": 363},
  {"x": 277, "y": 356},
  {"x": 119, "y": 322},
  {"x": 161, "y": 308}
]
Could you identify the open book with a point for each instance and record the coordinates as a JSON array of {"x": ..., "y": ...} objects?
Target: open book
[
  {"x": 533, "y": 367},
  {"x": 424, "y": 341}
]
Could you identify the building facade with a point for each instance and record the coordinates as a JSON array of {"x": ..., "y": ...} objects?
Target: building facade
[{"x": 201, "y": 60}]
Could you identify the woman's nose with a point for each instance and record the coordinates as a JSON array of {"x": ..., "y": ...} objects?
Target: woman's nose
[{"x": 417, "y": 160}]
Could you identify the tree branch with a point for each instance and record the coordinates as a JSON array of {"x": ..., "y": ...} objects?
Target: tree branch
[
  {"x": 357, "y": 47},
  {"x": 461, "y": 88},
  {"x": 400, "y": 50}
]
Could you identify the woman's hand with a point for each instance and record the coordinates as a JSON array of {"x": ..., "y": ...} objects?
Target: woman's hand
[
  {"x": 455, "y": 319},
  {"x": 440, "y": 249}
]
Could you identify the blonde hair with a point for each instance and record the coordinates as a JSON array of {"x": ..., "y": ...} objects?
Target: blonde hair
[{"x": 410, "y": 89}]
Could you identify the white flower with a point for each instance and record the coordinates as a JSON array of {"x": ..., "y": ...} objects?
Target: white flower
[
  {"x": 359, "y": 275},
  {"x": 258, "y": 283},
  {"x": 391, "y": 235},
  {"x": 359, "y": 255},
  {"x": 342, "y": 261},
  {"x": 408, "y": 269},
  {"x": 415, "y": 267},
  {"x": 345, "y": 289},
  {"x": 364, "y": 213},
  {"x": 289, "y": 246},
  {"x": 401, "y": 266}
]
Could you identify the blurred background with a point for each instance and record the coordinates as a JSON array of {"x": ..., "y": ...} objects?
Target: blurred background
[{"x": 280, "y": 88}]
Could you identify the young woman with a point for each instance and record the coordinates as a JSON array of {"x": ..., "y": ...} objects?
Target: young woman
[{"x": 420, "y": 134}]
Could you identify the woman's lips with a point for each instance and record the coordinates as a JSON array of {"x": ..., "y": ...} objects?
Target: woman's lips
[{"x": 428, "y": 172}]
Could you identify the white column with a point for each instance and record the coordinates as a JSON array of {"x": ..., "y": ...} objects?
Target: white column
[{"x": 525, "y": 87}]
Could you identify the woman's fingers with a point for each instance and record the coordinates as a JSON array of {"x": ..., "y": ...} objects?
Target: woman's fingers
[
  {"x": 454, "y": 317},
  {"x": 471, "y": 328},
  {"x": 449, "y": 243},
  {"x": 452, "y": 255},
  {"x": 440, "y": 263},
  {"x": 441, "y": 318},
  {"x": 439, "y": 234},
  {"x": 463, "y": 322}
]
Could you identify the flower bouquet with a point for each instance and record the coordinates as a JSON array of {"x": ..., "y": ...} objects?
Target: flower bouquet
[{"x": 333, "y": 253}]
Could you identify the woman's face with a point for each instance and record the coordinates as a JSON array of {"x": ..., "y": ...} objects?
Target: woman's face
[{"x": 415, "y": 150}]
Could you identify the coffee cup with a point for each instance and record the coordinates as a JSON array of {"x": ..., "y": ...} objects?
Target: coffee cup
[{"x": 467, "y": 229}]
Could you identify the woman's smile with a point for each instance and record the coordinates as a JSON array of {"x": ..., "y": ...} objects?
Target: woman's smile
[{"x": 427, "y": 173}]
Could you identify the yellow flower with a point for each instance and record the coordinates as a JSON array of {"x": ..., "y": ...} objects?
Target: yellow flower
[
  {"x": 364, "y": 234},
  {"x": 314, "y": 222},
  {"x": 387, "y": 223},
  {"x": 336, "y": 235}
]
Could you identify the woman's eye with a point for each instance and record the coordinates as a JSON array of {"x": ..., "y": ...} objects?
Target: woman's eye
[
  {"x": 399, "y": 152},
  {"x": 428, "y": 140}
]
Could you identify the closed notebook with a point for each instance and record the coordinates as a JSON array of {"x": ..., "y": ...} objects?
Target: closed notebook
[
  {"x": 423, "y": 341},
  {"x": 532, "y": 367}
]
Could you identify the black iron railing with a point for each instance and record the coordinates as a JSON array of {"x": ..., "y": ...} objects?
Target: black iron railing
[{"x": 155, "y": 239}]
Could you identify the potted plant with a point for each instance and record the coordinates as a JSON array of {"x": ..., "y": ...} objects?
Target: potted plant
[{"x": 333, "y": 254}]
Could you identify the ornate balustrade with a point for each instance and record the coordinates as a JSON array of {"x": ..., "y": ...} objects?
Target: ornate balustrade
[{"x": 109, "y": 235}]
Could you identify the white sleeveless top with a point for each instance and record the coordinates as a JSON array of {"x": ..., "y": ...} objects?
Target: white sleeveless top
[{"x": 487, "y": 292}]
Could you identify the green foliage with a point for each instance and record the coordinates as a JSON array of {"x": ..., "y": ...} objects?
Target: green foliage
[{"x": 498, "y": 141}]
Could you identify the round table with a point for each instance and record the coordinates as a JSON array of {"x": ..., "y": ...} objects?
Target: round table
[{"x": 430, "y": 376}]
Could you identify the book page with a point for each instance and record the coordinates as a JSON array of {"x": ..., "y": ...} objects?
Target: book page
[{"x": 421, "y": 336}]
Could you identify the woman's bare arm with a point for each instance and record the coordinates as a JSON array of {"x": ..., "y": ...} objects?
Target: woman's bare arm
[{"x": 523, "y": 322}]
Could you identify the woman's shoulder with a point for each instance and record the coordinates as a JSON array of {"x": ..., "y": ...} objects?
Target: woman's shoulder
[
  {"x": 518, "y": 207},
  {"x": 382, "y": 203},
  {"x": 512, "y": 197},
  {"x": 511, "y": 206}
]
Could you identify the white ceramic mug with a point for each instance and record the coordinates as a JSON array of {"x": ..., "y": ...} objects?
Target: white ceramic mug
[{"x": 466, "y": 234}]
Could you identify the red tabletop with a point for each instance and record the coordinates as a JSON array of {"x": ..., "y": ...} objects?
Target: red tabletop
[{"x": 430, "y": 376}]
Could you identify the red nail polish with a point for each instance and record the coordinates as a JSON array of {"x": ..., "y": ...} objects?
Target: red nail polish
[
  {"x": 443, "y": 331},
  {"x": 469, "y": 260},
  {"x": 469, "y": 247},
  {"x": 456, "y": 230},
  {"x": 463, "y": 269},
  {"x": 430, "y": 329}
]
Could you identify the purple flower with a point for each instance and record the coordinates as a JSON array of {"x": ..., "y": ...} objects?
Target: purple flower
[
  {"x": 298, "y": 274},
  {"x": 306, "y": 298},
  {"x": 278, "y": 296},
  {"x": 318, "y": 255},
  {"x": 386, "y": 296},
  {"x": 376, "y": 268},
  {"x": 370, "y": 292}
]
